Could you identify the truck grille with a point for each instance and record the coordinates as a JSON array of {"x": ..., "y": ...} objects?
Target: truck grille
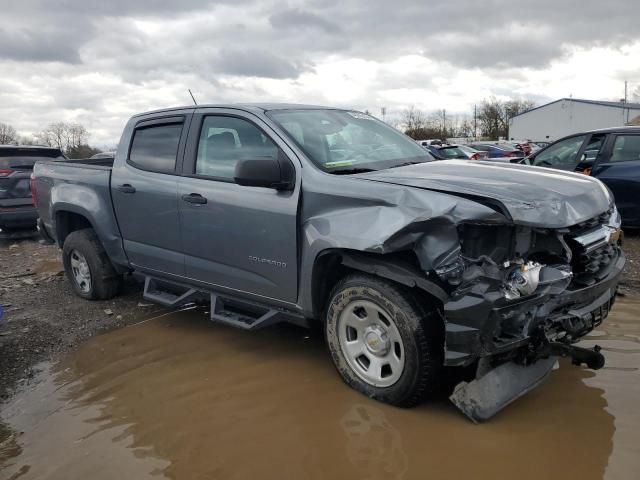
[{"x": 592, "y": 252}]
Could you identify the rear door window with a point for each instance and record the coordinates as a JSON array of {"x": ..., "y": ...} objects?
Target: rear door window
[
  {"x": 155, "y": 148},
  {"x": 626, "y": 148}
]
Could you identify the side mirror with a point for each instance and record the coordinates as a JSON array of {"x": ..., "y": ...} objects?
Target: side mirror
[{"x": 269, "y": 173}]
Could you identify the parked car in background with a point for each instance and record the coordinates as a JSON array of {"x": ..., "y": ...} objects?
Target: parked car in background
[
  {"x": 611, "y": 155},
  {"x": 17, "y": 212},
  {"x": 447, "y": 152},
  {"x": 472, "y": 153},
  {"x": 524, "y": 146},
  {"x": 496, "y": 150},
  {"x": 103, "y": 155}
]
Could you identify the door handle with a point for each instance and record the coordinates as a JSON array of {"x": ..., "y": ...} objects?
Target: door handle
[
  {"x": 126, "y": 188},
  {"x": 194, "y": 198}
]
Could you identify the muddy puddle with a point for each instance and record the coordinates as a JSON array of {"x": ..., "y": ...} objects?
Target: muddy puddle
[{"x": 180, "y": 397}]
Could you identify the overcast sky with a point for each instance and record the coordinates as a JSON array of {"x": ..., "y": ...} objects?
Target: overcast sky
[{"x": 98, "y": 62}]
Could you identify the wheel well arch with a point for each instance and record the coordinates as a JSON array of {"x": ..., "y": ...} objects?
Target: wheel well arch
[
  {"x": 68, "y": 222},
  {"x": 400, "y": 267}
]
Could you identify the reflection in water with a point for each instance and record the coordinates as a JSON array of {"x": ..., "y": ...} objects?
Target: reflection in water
[
  {"x": 179, "y": 397},
  {"x": 373, "y": 445}
]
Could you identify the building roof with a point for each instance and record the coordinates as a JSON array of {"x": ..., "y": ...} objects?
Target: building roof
[{"x": 603, "y": 103}]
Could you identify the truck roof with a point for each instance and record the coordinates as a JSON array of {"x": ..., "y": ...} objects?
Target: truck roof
[{"x": 243, "y": 106}]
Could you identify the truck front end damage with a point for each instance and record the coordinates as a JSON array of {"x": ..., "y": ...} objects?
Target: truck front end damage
[{"x": 520, "y": 297}]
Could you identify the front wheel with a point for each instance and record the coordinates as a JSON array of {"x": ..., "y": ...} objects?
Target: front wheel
[
  {"x": 88, "y": 267},
  {"x": 383, "y": 342}
]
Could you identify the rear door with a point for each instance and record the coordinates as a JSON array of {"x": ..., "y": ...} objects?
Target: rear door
[
  {"x": 237, "y": 237},
  {"x": 144, "y": 186},
  {"x": 619, "y": 168}
]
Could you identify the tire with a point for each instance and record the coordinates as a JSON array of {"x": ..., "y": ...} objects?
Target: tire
[
  {"x": 104, "y": 282},
  {"x": 393, "y": 316}
]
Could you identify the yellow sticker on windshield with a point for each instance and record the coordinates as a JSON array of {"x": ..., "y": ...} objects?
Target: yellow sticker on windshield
[{"x": 340, "y": 163}]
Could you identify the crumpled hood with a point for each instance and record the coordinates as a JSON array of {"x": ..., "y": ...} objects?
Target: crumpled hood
[{"x": 532, "y": 196}]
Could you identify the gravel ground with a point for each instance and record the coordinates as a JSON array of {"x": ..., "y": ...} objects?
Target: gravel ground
[{"x": 43, "y": 318}]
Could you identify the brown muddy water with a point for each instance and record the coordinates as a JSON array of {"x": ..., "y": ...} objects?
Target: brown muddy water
[{"x": 180, "y": 397}]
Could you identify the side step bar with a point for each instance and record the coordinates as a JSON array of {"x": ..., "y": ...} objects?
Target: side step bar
[
  {"x": 166, "y": 293},
  {"x": 249, "y": 316},
  {"x": 228, "y": 310}
]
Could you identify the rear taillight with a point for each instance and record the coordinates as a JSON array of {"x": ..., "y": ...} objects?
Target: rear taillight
[
  {"x": 475, "y": 156},
  {"x": 34, "y": 192},
  {"x": 5, "y": 172}
]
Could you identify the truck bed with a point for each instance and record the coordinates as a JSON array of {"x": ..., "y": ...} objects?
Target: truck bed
[{"x": 81, "y": 188}]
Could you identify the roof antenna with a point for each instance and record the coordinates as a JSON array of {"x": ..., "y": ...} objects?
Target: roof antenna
[{"x": 192, "y": 97}]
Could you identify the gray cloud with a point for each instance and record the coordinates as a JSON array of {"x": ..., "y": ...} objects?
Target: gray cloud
[
  {"x": 297, "y": 19},
  {"x": 40, "y": 44},
  {"x": 255, "y": 63},
  {"x": 86, "y": 60}
]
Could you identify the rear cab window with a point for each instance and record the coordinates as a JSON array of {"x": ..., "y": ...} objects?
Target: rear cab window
[{"x": 154, "y": 147}]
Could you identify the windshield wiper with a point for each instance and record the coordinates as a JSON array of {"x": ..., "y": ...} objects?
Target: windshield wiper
[{"x": 349, "y": 171}]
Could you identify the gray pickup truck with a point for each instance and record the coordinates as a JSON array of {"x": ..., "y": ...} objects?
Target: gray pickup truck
[{"x": 308, "y": 214}]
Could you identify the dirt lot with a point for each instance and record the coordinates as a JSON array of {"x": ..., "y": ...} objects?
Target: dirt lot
[{"x": 43, "y": 318}]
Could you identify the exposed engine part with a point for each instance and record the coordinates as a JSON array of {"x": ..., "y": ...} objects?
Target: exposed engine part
[
  {"x": 523, "y": 280},
  {"x": 452, "y": 273},
  {"x": 591, "y": 357}
]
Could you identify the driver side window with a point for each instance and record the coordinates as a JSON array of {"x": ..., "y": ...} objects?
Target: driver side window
[
  {"x": 225, "y": 140},
  {"x": 561, "y": 154}
]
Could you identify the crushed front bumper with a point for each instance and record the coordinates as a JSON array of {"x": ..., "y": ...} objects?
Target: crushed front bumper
[{"x": 482, "y": 323}]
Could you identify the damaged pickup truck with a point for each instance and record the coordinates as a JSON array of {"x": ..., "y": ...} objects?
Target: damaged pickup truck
[{"x": 301, "y": 214}]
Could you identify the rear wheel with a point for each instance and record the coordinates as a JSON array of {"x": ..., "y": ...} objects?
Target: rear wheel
[
  {"x": 88, "y": 267},
  {"x": 383, "y": 342}
]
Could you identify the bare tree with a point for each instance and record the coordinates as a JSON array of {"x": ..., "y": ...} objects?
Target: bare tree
[
  {"x": 412, "y": 119},
  {"x": 77, "y": 135},
  {"x": 494, "y": 115},
  {"x": 66, "y": 136},
  {"x": 8, "y": 134}
]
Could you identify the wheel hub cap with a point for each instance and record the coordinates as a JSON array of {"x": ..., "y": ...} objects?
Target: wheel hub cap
[
  {"x": 371, "y": 343},
  {"x": 80, "y": 271},
  {"x": 377, "y": 340}
]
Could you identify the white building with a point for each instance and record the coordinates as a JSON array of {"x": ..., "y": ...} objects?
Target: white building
[{"x": 570, "y": 115}]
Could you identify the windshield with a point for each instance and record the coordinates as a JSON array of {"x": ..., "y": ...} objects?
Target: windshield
[{"x": 340, "y": 141}]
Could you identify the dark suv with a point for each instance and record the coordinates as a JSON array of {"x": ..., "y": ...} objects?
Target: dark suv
[
  {"x": 17, "y": 212},
  {"x": 611, "y": 155}
]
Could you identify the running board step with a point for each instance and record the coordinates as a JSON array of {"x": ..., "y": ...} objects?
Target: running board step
[
  {"x": 167, "y": 293},
  {"x": 248, "y": 316}
]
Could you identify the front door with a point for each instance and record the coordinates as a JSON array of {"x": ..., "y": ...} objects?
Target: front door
[
  {"x": 145, "y": 194},
  {"x": 235, "y": 237}
]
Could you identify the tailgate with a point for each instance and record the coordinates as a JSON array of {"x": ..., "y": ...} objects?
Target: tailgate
[{"x": 14, "y": 182}]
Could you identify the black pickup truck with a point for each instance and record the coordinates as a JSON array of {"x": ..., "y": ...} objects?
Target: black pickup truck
[{"x": 309, "y": 214}]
